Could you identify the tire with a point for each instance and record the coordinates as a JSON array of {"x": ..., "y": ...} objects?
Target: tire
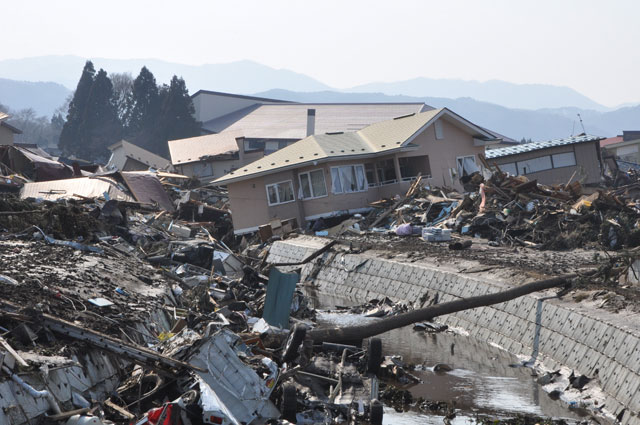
[
  {"x": 376, "y": 413},
  {"x": 296, "y": 337},
  {"x": 374, "y": 355},
  {"x": 289, "y": 403}
]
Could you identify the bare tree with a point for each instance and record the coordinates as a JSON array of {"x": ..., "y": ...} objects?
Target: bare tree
[{"x": 122, "y": 93}]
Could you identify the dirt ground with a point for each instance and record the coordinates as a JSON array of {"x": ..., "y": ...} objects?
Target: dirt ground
[
  {"x": 60, "y": 281},
  {"x": 518, "y": 263}
]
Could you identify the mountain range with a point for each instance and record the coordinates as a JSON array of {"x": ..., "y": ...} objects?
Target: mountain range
[{"x": 535, "y": 111}]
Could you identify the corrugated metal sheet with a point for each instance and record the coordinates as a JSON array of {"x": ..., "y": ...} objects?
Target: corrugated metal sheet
[
  {"x": 147, "y": 189},
  {"x": 90, "y": 187},
  {"x": 533, "y": 146},
  {"x": 183, "y": 151}
]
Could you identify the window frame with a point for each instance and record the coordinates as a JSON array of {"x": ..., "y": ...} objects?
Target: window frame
[
  {"x": 460, "y": 166},
  {"x": 553, "y": 161},
  {"x": 343, "y": 191},
  {"x": 324, "y": 180},
  {"x": 541, "y": 157},
  {"x": 204, "y": 166},
  {"x": 293, "y": 193},
  {"x": 439, "y": 131}
]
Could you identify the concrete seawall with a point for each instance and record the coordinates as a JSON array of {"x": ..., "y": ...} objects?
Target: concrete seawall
[{"x": 554, "y": 332}]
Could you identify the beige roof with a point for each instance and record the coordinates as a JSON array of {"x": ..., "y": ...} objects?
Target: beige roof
[
  {"x": 183, "y": 151},
  {"x": 3, "y": 115},
  {"x": 289, "y": 120},
  {"x": 383, "y": 137},
  {"x": 139, "y": 154}
]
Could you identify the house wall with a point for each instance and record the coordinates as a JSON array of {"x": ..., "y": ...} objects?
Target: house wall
[
  {"x": 587, "y": 164},
  {"x": 134, "y": 165},
  {"x": 443, "y": 153},
  {"x": 248, "y": 198},
  {"x": 249, "y": 205},
  {"x": 628, "y": 152},
  {"x": 6, "y": 136},
  {"x": 210, "y": 106},
  {"x": 219, "y": 167},
  {"x": 118, "y": 158}
]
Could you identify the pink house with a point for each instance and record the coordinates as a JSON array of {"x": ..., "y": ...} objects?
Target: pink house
[{"x": 343, "y": 172}]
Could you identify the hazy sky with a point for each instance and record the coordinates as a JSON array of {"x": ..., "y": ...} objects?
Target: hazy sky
[{"x": 589, "y": 45}]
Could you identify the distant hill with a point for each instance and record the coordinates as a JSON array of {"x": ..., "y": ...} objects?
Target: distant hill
[
  {"x": 236, "y": 77},
  {"x": 544, "y": 124},
  {"x": 522, "y": 96},
  {"x": 535, "y": 111},
  {"x": 247, "y": 77},
  {"x": 44, "y": 98}
]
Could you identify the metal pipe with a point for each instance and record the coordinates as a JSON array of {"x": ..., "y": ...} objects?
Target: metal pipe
[{"x": 34, "y": 393}]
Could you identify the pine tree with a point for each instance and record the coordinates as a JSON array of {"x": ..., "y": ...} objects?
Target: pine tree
[
  {"x": 144, "y": 112},
  {"x": 101, "y": 126},
  {"x": 69, "y": 137},
  {"x": 176, "y": 115}
]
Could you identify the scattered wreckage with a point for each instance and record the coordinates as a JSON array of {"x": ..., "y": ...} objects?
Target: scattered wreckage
[{"x": 142, "y": 308}]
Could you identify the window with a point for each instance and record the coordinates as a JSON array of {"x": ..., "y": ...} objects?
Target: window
[
  {"x": 509, "y": 168},
  {"x": 253, "y": 145},
  {"x": 438, "y": 127},
  {"x": 348, "y": 178},
  {"x": 386, "y": 170},
  {"x": 467, "y": 165},
  {"x": 271, "y": 146},
  {"x": 564, "y": 160},
  {"x": 411, "y": 166},
  {"x": 280, "y": 193},
  {"x": 370, "y": 171},
  {"x": 312, "y": 185},
  {"x": 203, "y": 169},
  {"x": 534, "y": 165}
]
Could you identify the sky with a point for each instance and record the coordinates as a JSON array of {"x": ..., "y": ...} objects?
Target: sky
[{"x": 588, "y": 45}]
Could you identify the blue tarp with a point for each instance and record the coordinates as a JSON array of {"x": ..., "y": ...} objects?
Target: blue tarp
[{"x": 277, "y": 304}]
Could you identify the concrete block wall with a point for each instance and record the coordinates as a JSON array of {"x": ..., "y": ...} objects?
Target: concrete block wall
[{"x": 552, "y": 331}]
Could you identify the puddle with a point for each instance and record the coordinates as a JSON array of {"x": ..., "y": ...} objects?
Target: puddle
[{"x": 481, "y": 382}]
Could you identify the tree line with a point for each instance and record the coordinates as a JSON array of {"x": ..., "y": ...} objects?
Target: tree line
[
  {"x": 107, "y": 108},
  {"x": 36, "y": 129}
]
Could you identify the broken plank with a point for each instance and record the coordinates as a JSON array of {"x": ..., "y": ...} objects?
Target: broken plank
[
  {"x": 124, "y": 412},
  {"x": 13, "y": 352}
]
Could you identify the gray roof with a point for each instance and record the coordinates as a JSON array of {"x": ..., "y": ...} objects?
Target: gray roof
[
  {"x": 238, "y": 96},
  {"x": 534, "y": 146},
  {"x": 289, "y": 120}
]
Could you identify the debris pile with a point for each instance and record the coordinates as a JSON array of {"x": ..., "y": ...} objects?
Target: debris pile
[
  {"x": 138, "y": 311},
  {"x": 514, "y": 211}
]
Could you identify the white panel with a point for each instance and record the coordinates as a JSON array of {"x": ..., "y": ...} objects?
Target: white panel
[
  {"x": 564, "y": 160},
  {"x": 439, "y": 133},
  {"x": 534, "y": 165},
  {"x": 626, "y": 150}
]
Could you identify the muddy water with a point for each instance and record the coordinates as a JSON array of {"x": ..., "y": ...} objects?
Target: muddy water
[{"x": 483, "y": 380}]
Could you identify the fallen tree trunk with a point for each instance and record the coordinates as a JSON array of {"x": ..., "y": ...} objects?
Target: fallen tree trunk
[{"x": 357, "y": 332}]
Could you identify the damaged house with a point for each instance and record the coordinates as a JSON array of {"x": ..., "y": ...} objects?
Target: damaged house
[
  {"x": 342, "y": 172},
  {"x": 553, "y": 161},
  {"x": 32, "y": 162},
  {"x": 261, "y": 127},
  {"x": 625, "y": 147},
  {"x": 126, "y": 156},
  {"x": 7, "y": 131}
]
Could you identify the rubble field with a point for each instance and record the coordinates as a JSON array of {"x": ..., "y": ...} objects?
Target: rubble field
[{"x": 170, "y": 319}]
